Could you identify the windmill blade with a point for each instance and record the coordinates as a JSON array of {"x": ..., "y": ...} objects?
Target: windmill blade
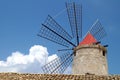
[
  {"x": 58, "y": 65},
  {"x": 52, "y": 24},
  {"x": 74, "y": 12},
  {"x": 65, "y": 49},
  {"x": 97, "y": 30},
  {"x": 50, "y": 30},
  {"x": 78, "y": 10},
  {"x": 49, "y": 34}
]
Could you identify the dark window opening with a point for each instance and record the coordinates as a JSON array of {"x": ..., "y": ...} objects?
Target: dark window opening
[
  {"x": 103, "y": 53},
  {"x": 74, "y": 53}
]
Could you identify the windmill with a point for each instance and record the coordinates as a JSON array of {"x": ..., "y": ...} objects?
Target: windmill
[{"x": 54, "y": 32}]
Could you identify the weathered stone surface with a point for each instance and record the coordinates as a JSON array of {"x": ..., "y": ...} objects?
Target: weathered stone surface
[
  {"x": 90, "y": 59},
  {"x": 19, "y": 76}
]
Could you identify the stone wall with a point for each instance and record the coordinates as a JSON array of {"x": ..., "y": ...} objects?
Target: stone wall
[
  {"x": 18, "y": 76},
  {"x": 90, "y": 59}
]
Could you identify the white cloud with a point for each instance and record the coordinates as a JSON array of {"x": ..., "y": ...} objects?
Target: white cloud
[{"x": 30, "y": 63}]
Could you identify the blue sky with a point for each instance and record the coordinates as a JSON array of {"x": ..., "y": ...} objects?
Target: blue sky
[{"x": 20, "y": 21}]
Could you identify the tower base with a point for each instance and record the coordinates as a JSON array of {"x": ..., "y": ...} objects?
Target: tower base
[{"x": 90, "y": 59}]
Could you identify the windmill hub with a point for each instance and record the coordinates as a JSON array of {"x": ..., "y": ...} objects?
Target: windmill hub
[{"x": 90, "y": 59}]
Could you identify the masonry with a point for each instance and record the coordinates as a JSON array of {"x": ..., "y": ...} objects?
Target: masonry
[{"x": 90, "y": 59}]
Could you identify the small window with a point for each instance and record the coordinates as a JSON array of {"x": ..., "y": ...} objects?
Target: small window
[
  {"x": 103, "y": 53},
  {"x": 74, "y": 53}
]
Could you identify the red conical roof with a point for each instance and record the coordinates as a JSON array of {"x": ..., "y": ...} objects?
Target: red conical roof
[{"x": 89, "y": 39}]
